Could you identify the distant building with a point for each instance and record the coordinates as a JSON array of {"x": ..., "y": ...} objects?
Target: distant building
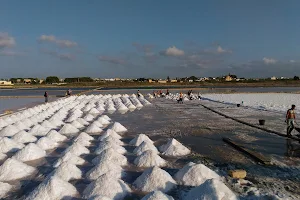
[
  {"x": 191, "y": 81},
  {"x": 273, "y": 78},
  {"x": 42, "y": 81},
  {"x": 117, "y": 79},
  {"x": 173, "y": 81},
  {"x": 150, "y": 80},
  {"x": 228, "y": 78},
  {"x": 27, "y": 81},
  {"x": 19, "y": 80},
  {"x": 162, "y": 81},
  {"x": 6, "y": 83}
]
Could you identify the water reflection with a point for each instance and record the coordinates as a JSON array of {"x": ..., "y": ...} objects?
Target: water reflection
[{"x": 292, "y": 148}]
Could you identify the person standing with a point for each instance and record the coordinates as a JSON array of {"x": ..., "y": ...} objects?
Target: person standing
[
  {"x": 138, "y": 94},
  {"x": 290, "y": 120},
  {"x": 46, "y": 96}
]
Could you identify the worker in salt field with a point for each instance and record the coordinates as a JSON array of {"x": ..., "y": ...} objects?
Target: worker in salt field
[
  {"x": 167, "y": 93},
  {"x": 138, "y": 93},
  {"x": 46, "y": 96},
  {"x": 290, "y": 120}
]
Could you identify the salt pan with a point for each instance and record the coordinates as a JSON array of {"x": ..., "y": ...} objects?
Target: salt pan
[
  {"x": 30, "y": 152},
  {"x": 107, "y": 186},
  {"x": 157, "y": 195},
  {"x": 149, "y": 159},
  {"x": 13, "y": 169},
  {"x": 117, "y": 127},
  {"x": 9, "y": 130},
  {"x": 139, "y": 139},
  {"x": 194, "y": 174},
  {"x": 55, "y": 136},
  {"x": 154, "y": 179},
  {"x": 8, "y": 145},
  {"x": 53, "y": 188},
  {"x": 24, "y": 137},
  {"x": 46, "y": 143},
  {"x": 174, "y": 148},
  {"x": 144, "y": 146},
  {"x": 211, "y": 189}
]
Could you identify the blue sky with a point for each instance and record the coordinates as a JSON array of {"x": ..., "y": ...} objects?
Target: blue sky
[{"x": 137, "y": 38}]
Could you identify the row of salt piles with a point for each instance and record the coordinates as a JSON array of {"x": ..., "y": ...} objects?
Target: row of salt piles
[{"x": 107, "y": 173}]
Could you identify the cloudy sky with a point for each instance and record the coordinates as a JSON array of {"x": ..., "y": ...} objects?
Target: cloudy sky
[{"x": 139, "y": 38}]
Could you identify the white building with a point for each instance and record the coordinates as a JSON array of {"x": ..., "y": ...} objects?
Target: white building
[
  {"x": 273, "y": 78},
  {"x": 6, "y": 83}
]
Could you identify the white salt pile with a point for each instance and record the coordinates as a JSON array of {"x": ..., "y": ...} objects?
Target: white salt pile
[
  {"x": 194, "y": 174},
  {"x": 5, "y": 188},
  {"x": 99, "y": 197},
  {"x": 107, "y": 145},
  {"x": 111, "y": 133},
  {"x": 3, "y": 123},
  {"x": 157, "y": 195},
  {"x": 94, "y": 111},
  {"x": 46, "y": 143},
  {"x": 77, "y": 124},
  {"x": 19, "y": 125},
  {"x": 139, "y": 139},
  {"x": 69, "y": 130},
  {"x": 88, "y": 118},
  {"x": 47, "y": 124},
  {"x": 8, "y": 145},
  {"x": 38, "y": 130},
  {"x": 53, "y": 188},
  {"x": 30, "y": 152},
  {"x": 13, "y": 169},
  {"x": 113, "y": 140},
  {"x": 103, "y": 121},
  {"x": 111, "y": 155},
  {"x": 117, "y": 127},
  {"x": 84, "y": 139},
  {"x": 98, "y": 124},
  {"x": 67, "y": 171},
  {"x": 107, "y": 186},
  {"x": 154, "y": 179},
  {"x": 174, "y": 148},
  {"x": 2, "y": 157},
  {"x": 24, "y": 137},
  {"x": 144, "y": 146},
  {"x": 211, "y": 189},
  {"x": 77, "y": 149},
  {"x": 106, "y": 117},
  {"x": 149, "y": 159},
  {"x": 112, "y": 168},
  {"x": 69, "y": 158},
  {"x": 9, "y": 130},
  {"x": 92, "y": 129},
  {"x": 55, "y": 136},
  {"x": 82, "y": 121}
]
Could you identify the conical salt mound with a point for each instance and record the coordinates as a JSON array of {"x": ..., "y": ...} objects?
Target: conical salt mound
[
  {"x": 3, "y": 156},
  {"x": 105, "y": 117},
  {"x": 8, "y": 145},
  {"x": 82, "y": 121},
  {"x": 69, "y": 158},
  {"x": 111, "y": 133},
  {"x": 30, "y": 152},
  {"x": 24, "y": 137},
  {"x": 84, "y": 139},
  {"x": 53, "y": 188},
  {"x": 107, "y": 145},
  {"x": 88, "y": 118},
  {"x": 77, "y": 149},
  {"x": 20, "y": 125},
  {"x": 113, "y": 140},
  {"x": 3, "y": 123},
  {"x": 211, "y": 189},
  {"x": 157, "y": 195},
  {"x": 107, "y": 186},
  {"x": 76, "y": 124},
  {"x": 154, "y": 179},
  {"x": 103, "y": 121},
  {"x": 47, "y": 124},
  {"x": 9, "y": 130},
  {"x": 5, "y": 188},
  {"x": 117, "y": 127},
  {"x": 144, "y": 146},
  {"x": 100, "y": 108},
  {"x": 98, "y": 124},
  {"x": 139, "y": 139},
  {"x": 67, "y": 172},
  {"x": 114, "y": 170},
  {"x": 149, "y": 159},
  {"x": 69, "y": 130},
  {"x": 174, "y": 148},
  {"x": 112, "y": 155},
  {"x": 94, "y": 111},
  {"x": 38, "y": 130},
  {"x": 55, "y": 136},
  {"x": 12, "y": 170},
  {"x": 46, "y": 143},
  {"x": 100, "y": 197},
  {"x": 194, "y": 174},
  {"x": 92, "y": 129}
]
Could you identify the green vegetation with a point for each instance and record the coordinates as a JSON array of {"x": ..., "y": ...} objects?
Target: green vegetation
[{"x": 52, "y": 79}]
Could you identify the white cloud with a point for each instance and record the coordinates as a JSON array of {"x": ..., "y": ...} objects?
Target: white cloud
[
  {"x": 6, "y": 40},
  {"x": 61, "y": 43},
  {"x": 292, "y": 61},
  {"x": 269, "y": 61},
  {"x": 173, "y": 51},
  {"x": 221, "y": 50}
]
